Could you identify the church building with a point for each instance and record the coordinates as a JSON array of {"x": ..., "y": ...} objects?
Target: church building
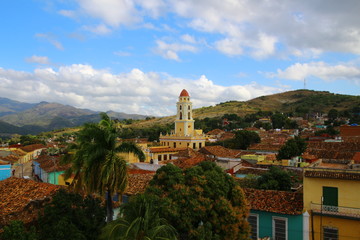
[{"x": 184, "y": 135}]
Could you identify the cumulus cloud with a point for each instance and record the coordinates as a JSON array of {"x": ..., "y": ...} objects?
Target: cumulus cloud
[
  {"x": 321, "y": 70},
  {"x": 255, "y": 26},
  {"x": 67, "y": 13},
  {"x": 131, "y": 92},
  {"x": 170, "y": 50},
  {"x": 38, "y": 59}
]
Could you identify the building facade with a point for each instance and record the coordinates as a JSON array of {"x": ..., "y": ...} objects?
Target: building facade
[
  {"x": 184, "y": 134},
  {"x": 331, "y": 197}
]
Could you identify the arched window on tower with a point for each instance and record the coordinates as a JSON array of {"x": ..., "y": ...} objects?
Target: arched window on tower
[
  {"x": 188, "y": 107},
  {"x": 180, "y": 107},
  {"x": 180, "y": 115},
  {"x": 189, "y": 117}
]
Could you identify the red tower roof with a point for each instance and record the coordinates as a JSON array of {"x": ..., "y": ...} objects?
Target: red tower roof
[{"x": 184, "y": 93}]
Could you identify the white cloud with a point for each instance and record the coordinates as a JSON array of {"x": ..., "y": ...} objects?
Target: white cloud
[
  {"x": 170, "y": 50},
  {"x": 132, "y": 92},
  {"x": 51, "y": 39},
  {"x": 100, "y": 29},
  {"x": 67, "y": 13},
  {"x": 111, "y": 12},
  {"x": 246, "y": 27},
  {"x": 38, "y": 59},
  {"x": 188, "y": 38},
  {"x": 320, "y": 70}
]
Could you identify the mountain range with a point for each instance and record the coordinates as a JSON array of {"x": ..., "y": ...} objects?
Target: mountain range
[{"x": 27, "y": 118}]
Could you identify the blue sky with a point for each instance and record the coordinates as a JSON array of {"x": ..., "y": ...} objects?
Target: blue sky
[{"x": 136, "y": 56}]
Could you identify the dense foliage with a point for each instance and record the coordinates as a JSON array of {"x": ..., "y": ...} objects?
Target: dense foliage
[
  {"x": 96, "y": 163},
  {"x": 70, "y": 216},
  {"x": 242, "y": 140},
  {"x": 275, "y": 179},
  {"x": 202, "y": 202},
  {"x": 17, "y": 231},
  {"x": 292, "y": 147},
  {"x": 140, "y": 219}
]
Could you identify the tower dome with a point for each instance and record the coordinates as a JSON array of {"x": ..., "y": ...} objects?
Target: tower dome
[{"x": 184, "y": 93}]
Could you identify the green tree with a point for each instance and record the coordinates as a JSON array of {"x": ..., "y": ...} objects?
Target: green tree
[
  {"x": 278, "y": 120},
  {"x": 96, "y": 162},
  {"x": 139, "y": 220},
  {"x": 202, "y": 200},
  {"x": 292, "y": 147},
  {"x": 70, "y": 216},
  {"x": 17, "y": 231},
  {"x": 275, "y": 179},
  {"x": 242, "y": 140},
  {"x": 333, "y": 114}
]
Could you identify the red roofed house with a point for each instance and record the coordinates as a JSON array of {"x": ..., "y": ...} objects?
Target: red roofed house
[
  {"x": 276, "y": 214},
  {"x": 22, "y": 199}
]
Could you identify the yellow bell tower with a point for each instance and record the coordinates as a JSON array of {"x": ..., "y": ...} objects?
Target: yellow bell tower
[
  {"x": 184, "y": 123},
  {"x": 184, "y": 135}
]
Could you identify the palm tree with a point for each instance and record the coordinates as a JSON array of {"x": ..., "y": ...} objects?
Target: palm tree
[
  {"x": 139, "y": 220},
  {"x": 96, "y": 163}
]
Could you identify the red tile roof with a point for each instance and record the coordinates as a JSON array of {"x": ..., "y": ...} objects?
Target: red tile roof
[
  {"x": 275, "y": 201},
  {"x": 137, "y": 183},
  {"x": 340, "y": 174},
  {"x": 32, "y": 147},
  {"x": 220, "y": 151},
  {"x": 184, "y": 93},
  {"x": 215, "y": 132},
  {"x": 356, "y": 157},
  {"x": 51, "y": 163},
  {"x": 164, "y": 149},
  {"x": 21, "y": 198}
]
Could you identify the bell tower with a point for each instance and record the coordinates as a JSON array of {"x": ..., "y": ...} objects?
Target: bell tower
[{"x": 184, "y": 123}]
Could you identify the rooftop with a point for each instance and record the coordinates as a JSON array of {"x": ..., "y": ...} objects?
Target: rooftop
[
  {"x": 184, "y": 93},
  {"x": 275, "y": 201},
  {"x": 138, "y": 182},
  {"x": 20, "y": 197},
  {"x": 332, "y": 173}
]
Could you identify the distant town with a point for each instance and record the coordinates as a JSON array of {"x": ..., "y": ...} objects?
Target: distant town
[{"x": 261, "y": 175}]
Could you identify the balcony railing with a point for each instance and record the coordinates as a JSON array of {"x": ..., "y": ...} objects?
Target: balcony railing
[{"x": 336, "y": 211}]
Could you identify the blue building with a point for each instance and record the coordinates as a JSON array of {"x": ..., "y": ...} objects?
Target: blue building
[{"x": 276, "y": 214}]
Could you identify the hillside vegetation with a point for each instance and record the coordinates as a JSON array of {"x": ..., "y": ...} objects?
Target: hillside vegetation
[{"x": 300, "y": 101}]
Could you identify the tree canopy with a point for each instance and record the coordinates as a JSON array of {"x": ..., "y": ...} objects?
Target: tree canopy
[
  {"x": 275, "y": 179},
  {"x": 70, "y": 216},
  {"x": 201, "y": 201},
  {"x": 292, "y": 147},
  {"x": 96, "y": 162},
  {"x": 242, "y": 140}
]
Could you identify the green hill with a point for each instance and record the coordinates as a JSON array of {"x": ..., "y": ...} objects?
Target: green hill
[{"x": 302, "y": 101}]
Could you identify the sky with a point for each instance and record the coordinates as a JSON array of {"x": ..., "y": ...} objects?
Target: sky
[{"x": 135, "y": 56}]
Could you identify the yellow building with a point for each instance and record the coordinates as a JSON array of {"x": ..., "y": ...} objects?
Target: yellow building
[
  {"x": 332, "y": 198},
  {"x": 184, "y": 135}
]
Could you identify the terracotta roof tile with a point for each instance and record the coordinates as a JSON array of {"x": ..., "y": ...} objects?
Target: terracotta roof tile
[
  {"x": 51, "y": 163},
  {"x": 164, "y": 149},
  {"x": 275, "y": 201},
  {"x": 356, "y": 157},
  {"x": 347, "y": 175},
  {"x": 220, "y": 151},
  {"x": 137, "y": 183},
  {"x": 32, "y": 147},
  {"x": 20, "y": 198}
]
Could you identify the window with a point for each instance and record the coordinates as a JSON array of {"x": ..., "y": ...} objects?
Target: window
[
  {"x": 330, "y": 195},
  {"x": 174, "y": 145},
  {"x": 189, "y": 115},
  {"x": 165, "y": 157},
  {"x": 194, "y": 145},
  {"x": 254, "y": 222},
  {"x": 159, "y": 157},
  {"x": 199, "y": 145},
  {"x": 330, "y": 233},
  {"x": 180, "y": 115},
  {"x": 279, "y": 228},
  {"x": 180, "y": 107}
]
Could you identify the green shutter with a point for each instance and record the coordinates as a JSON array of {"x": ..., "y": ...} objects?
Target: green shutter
[{"x": 330, "y": 195}]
